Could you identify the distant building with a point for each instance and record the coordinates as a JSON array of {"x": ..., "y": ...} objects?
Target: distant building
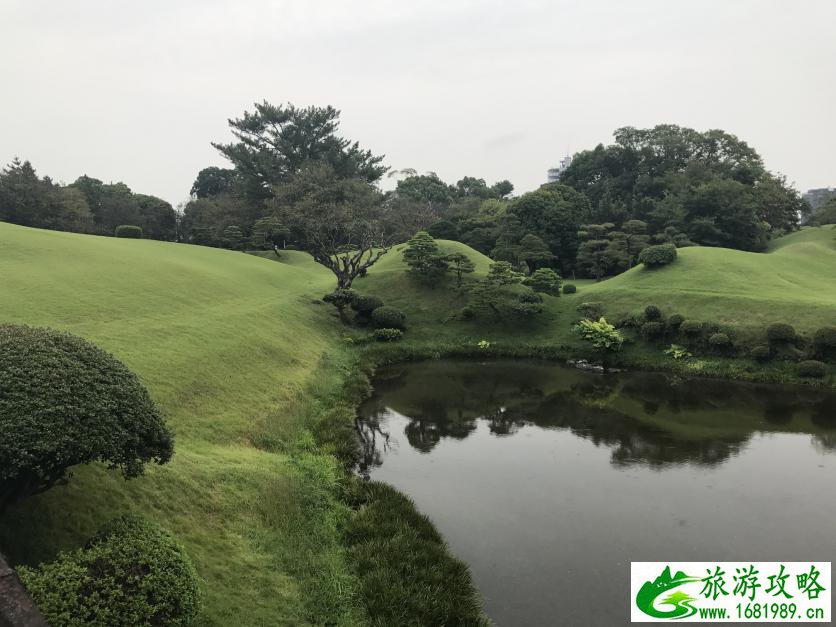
[
  {"x": 817, "y": 197},
  {"x": 554, "y": 173}
]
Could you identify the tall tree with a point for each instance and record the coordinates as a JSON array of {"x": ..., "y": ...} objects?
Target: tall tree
[
  {"x": 213, "y": 181},
  {"x": 339, "y": 221},
  {"x": 275, "y": 142}
]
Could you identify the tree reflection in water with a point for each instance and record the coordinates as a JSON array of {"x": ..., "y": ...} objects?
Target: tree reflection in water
[{"x": 645, "y": 418}]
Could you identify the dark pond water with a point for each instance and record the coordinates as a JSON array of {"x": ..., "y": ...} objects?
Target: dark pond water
[{"x": 549, "y": 481}]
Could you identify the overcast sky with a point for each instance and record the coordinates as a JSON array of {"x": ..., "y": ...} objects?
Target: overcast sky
[{"x": 135, "y": 91}]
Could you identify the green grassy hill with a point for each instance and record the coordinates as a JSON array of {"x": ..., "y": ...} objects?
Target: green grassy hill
[{"x": 225, "y": 342}]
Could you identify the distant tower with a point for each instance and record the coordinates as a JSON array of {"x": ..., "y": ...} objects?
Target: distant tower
[{"x": 555, "y": 173}]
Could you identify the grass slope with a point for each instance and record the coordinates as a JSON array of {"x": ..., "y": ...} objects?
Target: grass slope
[
  {"x": 225, "y": 342},
  {"x": 795, "y": 282}
]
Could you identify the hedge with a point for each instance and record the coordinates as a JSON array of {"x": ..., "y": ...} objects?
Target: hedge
[
  {"x": 656, "y": 256},
  {"x": 389, "y": 318},
  {"x": 129, "y": 231}
]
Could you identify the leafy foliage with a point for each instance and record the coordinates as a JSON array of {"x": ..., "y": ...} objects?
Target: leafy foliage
[
  {"x": 675, "y": 321},
  {"x": 545, "y": 281},
  {"x": 657, "y": 256},
  {"x": 570, "y": 288},
  {"x": 761, "y": 352},
  {"x": 652, "y": 312},
  {"x": 824, "y": 343},
  {"x": 652, "y": 330},
  {"x": 387, "y": 335},
  {"x": 601, "y": 334},
  {"x": 66, "y": 402},
  {"x": 812, "y": 369},
  {"x": 389, "y": 317},
  {"x": 128, "y": 231},
  {"x": 781, "y": 333},
  {"x": 131, "y": 573},
  {"x": 677, "y": 352}
]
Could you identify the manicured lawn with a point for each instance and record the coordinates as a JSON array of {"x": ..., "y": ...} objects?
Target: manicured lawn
[{"x": 226, "y": 343}]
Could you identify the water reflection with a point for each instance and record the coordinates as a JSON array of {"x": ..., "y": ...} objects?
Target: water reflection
[
  {"x": 548, "y": 481},
  {"x": 644, "y": 418}
]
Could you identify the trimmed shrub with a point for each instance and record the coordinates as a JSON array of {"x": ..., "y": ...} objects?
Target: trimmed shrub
[
  {"x": 341, "y": 298},
  {"x": 529, "y": 303},
  {"x": 719, "y": 341},
  {"x": 652, "y": 330},
  {"x": 690, "y": 327},
  {"x": 131, "y": 573},
  {"x": 761, "y": 353},
  {"x": 129, "y": 231},
  {"x": 389, "y": 318},
  {"x": 362, "y": 303},
  {"x": 64, "y": 401},
  {"x": 544, "y": 280},
  {"x": 467, "y": 313},
  {"x": 812, "y": 368},
  {"x": 657, "y": 256},
  {"x": 387, "y": 335},
  {"x": 824, "y": 343},
  {"x": 780, "y": 333},
  {"x": 590, "y": 310},
  {"x": 652, "y": 312},
  {"x": 675, "y": 321},
  {"x": 569, "y": 288}
]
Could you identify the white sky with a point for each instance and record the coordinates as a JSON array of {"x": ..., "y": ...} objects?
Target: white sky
[{"x": 135, "y": 91}]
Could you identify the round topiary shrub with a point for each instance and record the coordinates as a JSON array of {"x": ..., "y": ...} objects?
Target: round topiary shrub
[
  {"x": 690, "y": 327},
  {"x": 719, "y": 341},
  {"x": 569, "y": 288},
  {"x": 467, "y": 313},
  {"x": 131, "y": 573},
  {"x": 652, "y": 330},
  {"x": 652, "y": 312},
  {"x": 780, "y": 333},
  {"x": 129, "y": 231},
  {"x": 657, "y": 256},
  {"x": 64, "y": 401},
  {"x": 761, "y": 353},
  {"x": 812, "y": 368},
  {"x": 824, "y": 343},
  {"x": 365, "y": 304},
  {"x": 590, "y": 310},
  {"x": 387, "y": 335},
  {"x": 389, "y": 317},
  {"x": 675, "y": 321}
]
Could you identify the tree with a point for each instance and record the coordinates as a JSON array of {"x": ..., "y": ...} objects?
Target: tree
[
  {"x": 269, "y": 232},
  {"x": 534, "y": 252},
  {"x": 213, "y": 181},
  {"x": 66, "y": 402},
  {"x": 502, "y": 189},
  {"x": 595, "y": 255},
  {"x": 339, "y": 221},
  {"x": 826, "y": 214},
  {"x": 425, "y": 263},
  {"x": 630, "y": 240},
  {"x": 443, "y": 229},
  {"x": 341, "y": 298},
  {"x": 275, "y": 143},
  {"x": 205, "y": 219},
  {"x": 490, "y": 294},
  {"x": 232, "y": 237},
  {"x": 555, "y": 213},
  {"x": 544, "y": 281},
  {"x": 460, "y": 264}
]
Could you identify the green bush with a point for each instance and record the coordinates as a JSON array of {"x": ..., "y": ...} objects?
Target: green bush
[
  {"x": 389, "y": 318},
  {"x": 652, "y": 312},
  {"x": 780, "y": 333},
  {"x": 812, "y": 368},
  {"x": 719, "y": 341},
  {"x": 467, "y": 313},
  {"x": 529, "y": 303},
  {"x": 602, "y": 335},
  {"x": 675, "y": 321},
  {"x": 407, "y": 576},
  {"x": 387, "y": 335},
  {"x": 443, "y": 229},
  {"x": 692, "y": 328},
  {"x": 590, "y": 310},
  {"x": 657, "y": 256},
  {"x": 545, "y": 281},
  {"x": 761, "y": 353},
  {"x": 129, "y": 231},
  {"x": 64, "y": 401},
  {"x": 652, "y": 330},
  {"x": 365, "y": 304},
  {"x": 569, "y": 288},
  {"x": 131, "y": 573},
  {"x": 341, "y": 298},
  {"x": 824, "y": 343}
]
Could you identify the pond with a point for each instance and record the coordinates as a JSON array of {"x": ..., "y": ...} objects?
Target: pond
[{"x": 549, "y": 481}]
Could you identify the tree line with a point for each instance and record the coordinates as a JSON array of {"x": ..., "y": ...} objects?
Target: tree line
[{"x": 294, "y": 181}]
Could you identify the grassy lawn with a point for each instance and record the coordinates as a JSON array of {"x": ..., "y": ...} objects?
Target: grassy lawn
[
  {"x": 226, "y": 343},
  {"x": 236, "y": 349}
]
